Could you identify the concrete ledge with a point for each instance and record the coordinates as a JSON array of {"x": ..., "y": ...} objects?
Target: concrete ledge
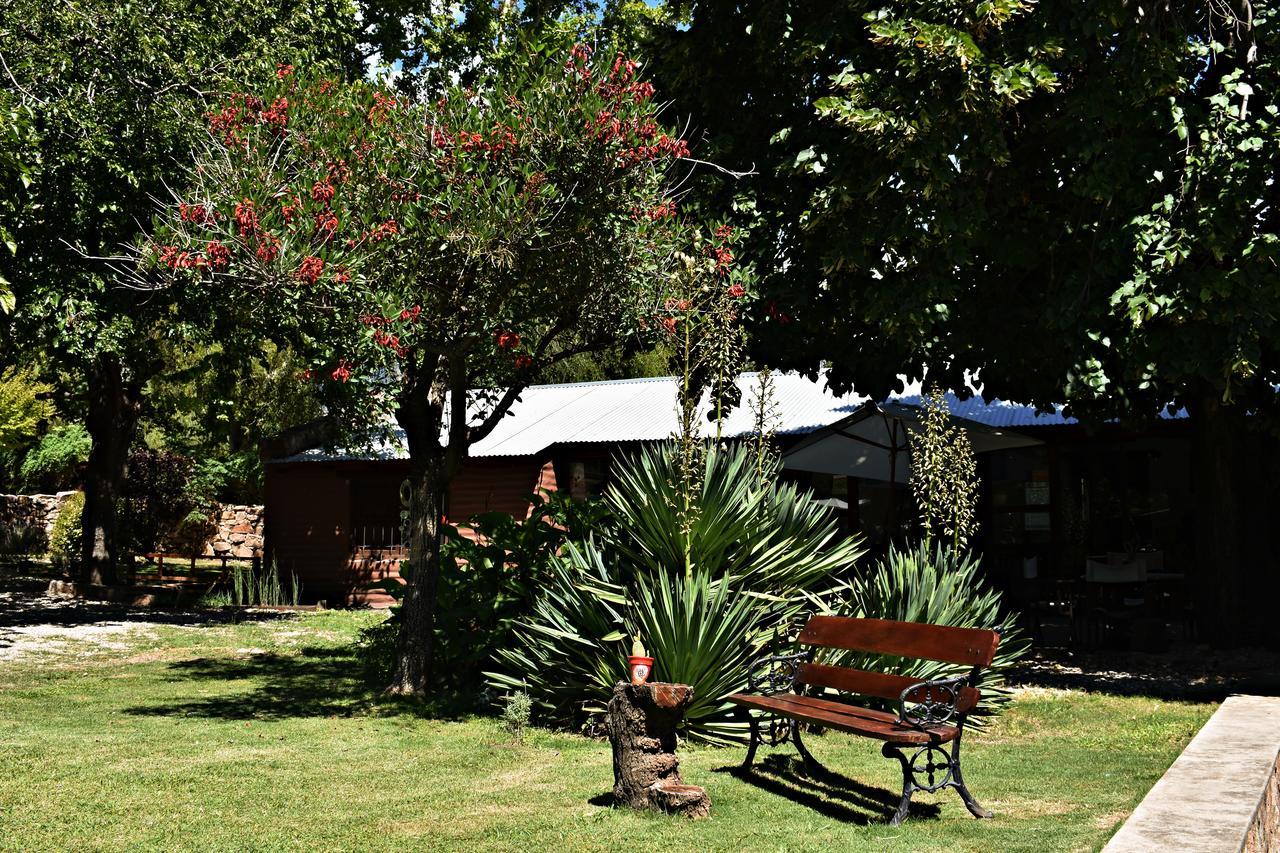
[{"x": 1222, "y": 794}]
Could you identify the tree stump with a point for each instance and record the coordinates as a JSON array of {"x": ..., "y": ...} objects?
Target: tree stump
[{"x": 642, "y": 725}]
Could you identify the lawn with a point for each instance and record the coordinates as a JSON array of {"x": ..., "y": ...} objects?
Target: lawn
[{"x": 264, "y": 736}]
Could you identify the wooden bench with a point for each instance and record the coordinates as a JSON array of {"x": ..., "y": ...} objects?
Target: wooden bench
[{"x": 929, "y": 715}]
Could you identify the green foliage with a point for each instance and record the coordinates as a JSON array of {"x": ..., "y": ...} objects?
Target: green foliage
[
  {"x": 935, "y": 585},
  {"x": 51, "y": 465},
  {"x": 24, "y": 405},
  {"x": 705, "y": 598},
  {"x": 516, "y": 711},
  {"x": 158, "y": 507},
  {"x": 944, "y": 475},
  {"x": 65, "y": 537},
  {"x": 217, "y": 403},
  {"x": 489, "y": 578}
]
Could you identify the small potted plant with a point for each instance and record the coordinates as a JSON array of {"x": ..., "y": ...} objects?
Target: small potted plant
[{"x": 639, "y": 663}]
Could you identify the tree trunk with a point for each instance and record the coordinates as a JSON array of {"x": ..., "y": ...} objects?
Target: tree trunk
[
  {"x": 114, "y": 407},
  {"x": 416, "y": 644},
  {"x": 433, "y": 465},
  {"x": 642, "y": 725},
  {"x": 1227, "y": 603}
]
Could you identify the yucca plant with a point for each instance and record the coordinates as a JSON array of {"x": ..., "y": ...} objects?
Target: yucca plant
[
  {"x": 707, "y": 596},
  {"x": 937, "y": 585}
]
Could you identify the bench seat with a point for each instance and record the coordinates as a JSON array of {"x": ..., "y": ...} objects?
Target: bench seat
[{"x": 844, "y": 717}]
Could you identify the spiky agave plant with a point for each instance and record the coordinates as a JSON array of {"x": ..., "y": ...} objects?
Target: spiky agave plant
[
  {"x": 707, "y": 597},
  {"x": 937, "y": 585}
]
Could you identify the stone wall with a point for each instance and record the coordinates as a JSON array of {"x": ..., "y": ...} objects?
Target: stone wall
[
  {"x": 239, "y": 532},
  {"x": 32, "y": 511},
  {"x": 1264, "y": 834}
]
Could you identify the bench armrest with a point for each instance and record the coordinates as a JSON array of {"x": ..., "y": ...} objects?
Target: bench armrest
[
  {"x": 775, "y": 673},
  {"x": 931, "y": 703}
]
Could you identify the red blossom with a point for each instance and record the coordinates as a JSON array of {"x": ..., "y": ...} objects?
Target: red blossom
[
  {"x": 268, "y": 248},
  {"x": 778, "y": 314},
  {"x": 724, "y": 232},
  {"x": 506, "y": 339},
  {"x": 341, "y": 276},
  {"x": 196, "y": 214},
  {"x": 387, "y": 229},
  {"x": 322, "y": 191},
  {"x": 342, "y": 372},
  {"x": 669, "y": 324},
  {"x": 283, "y": 70},
  {"x": 723, "y": 257},
  {"x": 277, "y": 116},
  {"x": 523, "y": 361},
  {"x": 306, "y": 375},
  {"x": 382, "y": 106},
  {"x": 665, "y": 210},
  {"x": 326, "y": 224},
  {"x": 246, "y": 215},
  {"x": 737, "y": 290},
  {"x": 219, "y": 256},
  {"x": 311, "y": 269},
  {"x": 411, "y": 314}
]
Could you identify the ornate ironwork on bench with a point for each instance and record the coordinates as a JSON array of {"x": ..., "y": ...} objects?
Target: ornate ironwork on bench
[{"x": 930, "y": 715}]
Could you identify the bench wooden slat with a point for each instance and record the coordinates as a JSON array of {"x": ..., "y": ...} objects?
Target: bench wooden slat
[
  {"x": 965, "y": 646},
  {"x": 881, "y": 685},
  {"x": 845, "y": 718}
]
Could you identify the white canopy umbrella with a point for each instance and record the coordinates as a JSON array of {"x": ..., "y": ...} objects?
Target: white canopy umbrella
[{"x": 872, "y": 443}]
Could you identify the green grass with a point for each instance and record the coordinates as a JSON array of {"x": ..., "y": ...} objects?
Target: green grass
[{"x": 263, "y": 736}]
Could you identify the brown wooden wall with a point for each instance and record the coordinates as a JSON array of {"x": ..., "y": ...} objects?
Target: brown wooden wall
[{"x": 319, "y": 514}]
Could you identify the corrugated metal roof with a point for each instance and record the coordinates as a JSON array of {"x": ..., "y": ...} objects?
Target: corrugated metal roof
[{"x": 645, "y": 410}]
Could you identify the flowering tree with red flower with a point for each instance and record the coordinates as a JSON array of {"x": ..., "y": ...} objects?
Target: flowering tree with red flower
[{"x": 434, "y": 256}]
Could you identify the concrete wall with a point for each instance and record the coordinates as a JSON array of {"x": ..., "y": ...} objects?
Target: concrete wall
[{"x": 1221, "y": 795}]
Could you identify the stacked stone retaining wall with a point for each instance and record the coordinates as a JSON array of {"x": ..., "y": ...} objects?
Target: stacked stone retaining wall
[
  {"x": 35, "y": 512},
  {"x": 239, "y": 532},
  {"x": 237, "y": 528}
]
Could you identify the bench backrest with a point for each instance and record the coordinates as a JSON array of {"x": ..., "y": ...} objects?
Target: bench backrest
[{"x": 964, "y": 646}]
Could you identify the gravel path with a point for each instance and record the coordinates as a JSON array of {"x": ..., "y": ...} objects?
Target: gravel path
[{"x": 32, "y": 622}]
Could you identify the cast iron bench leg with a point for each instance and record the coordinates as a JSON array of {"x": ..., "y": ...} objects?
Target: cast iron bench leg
[
  {"x": 811, "y": 764},
  {"x": 957, "y": 780},
  {"x": 952, "y": 777},
  {"x": 755, "y": 740}
]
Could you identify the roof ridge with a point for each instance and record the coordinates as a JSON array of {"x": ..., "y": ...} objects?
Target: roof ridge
[{"x": 634, "y": 380}]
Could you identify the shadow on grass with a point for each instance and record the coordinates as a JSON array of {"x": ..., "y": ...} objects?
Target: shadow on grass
[
  {"x": 314, "y": 682},
  {"x": 23, "y": 604},
  {"x": 826, "y": 792}
]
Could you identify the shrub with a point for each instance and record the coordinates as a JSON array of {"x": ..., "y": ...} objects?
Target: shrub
[
  {"x": 24, "y": 405},
  {"x": 65, "y": 537},
  {"x": 489, "y": 580},
  {"x": 51, "y": 465},
  {"x": 515, "y": 714},
  {"x": 22, "y": 539},
  {"x": 169, "y": 501},
  {"x": 706, "y": 594},
  {"x": 939, "y": 586}
]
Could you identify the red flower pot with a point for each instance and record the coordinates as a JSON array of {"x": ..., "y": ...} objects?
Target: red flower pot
[{"x": 641, "y": 669}]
